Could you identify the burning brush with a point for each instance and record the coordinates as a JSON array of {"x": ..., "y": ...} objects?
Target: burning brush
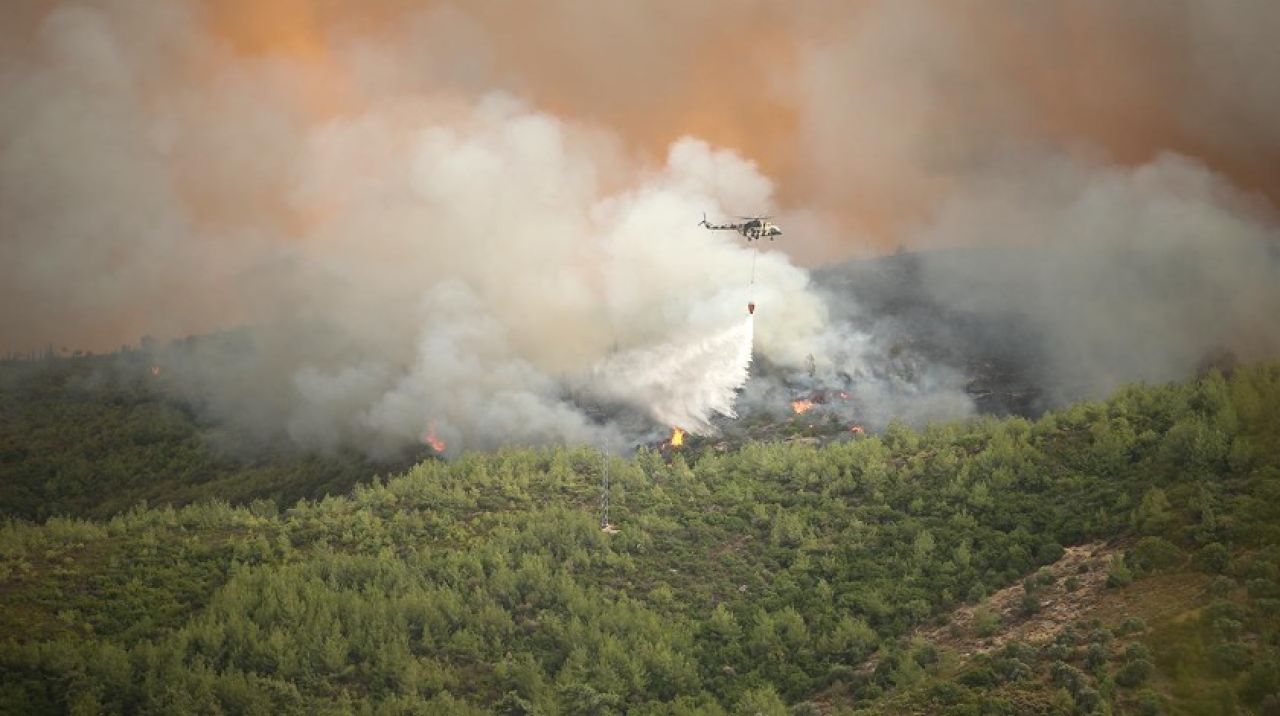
[
  {"x": 433, "y": 440},
  {"x": 800, "y": 407},
  {"x": 677, "y": 438}
]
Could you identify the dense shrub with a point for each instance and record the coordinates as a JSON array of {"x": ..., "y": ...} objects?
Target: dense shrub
[
  {"x": 1119, "y": 575},
  {"x": 1134, "y": 673},
  {"x": 1211, "y": 558},
  {"x": 1154, "y": 555}
]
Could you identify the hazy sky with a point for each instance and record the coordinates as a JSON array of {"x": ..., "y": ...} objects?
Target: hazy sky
[
  {"x": 524, "y": 178},
  {"x": 144, "y": 141}
]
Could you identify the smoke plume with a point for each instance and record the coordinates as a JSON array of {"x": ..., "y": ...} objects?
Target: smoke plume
[{"x": 414, "y": 213}]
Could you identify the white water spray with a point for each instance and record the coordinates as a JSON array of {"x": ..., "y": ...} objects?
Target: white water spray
[{"x": 683, "y": 383}]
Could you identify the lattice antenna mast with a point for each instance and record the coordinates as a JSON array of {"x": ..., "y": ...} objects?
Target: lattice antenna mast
[{"x": 604, "y": 490}]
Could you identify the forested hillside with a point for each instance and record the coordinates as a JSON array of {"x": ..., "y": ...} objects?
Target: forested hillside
[
  {"x": 94, "y": 435},
  {"x": 771, "y": 579}
]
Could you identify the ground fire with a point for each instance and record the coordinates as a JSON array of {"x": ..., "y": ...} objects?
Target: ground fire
[{"x": 430, "y": 438}]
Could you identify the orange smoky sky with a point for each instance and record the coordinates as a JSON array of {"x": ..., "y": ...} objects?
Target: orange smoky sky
[
  {"x": 866, "y": 116},
  {"x": 1123, "y": 80},
  {"x": 709, "y": 74},
  {"x": 419, "y": 209}
]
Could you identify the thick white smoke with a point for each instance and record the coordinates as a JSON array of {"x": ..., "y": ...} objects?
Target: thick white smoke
[
  {"x": 483, "y": 267},
  {"x": 449, "y": 213},
  {"x": 455, "y": 264},
  {"x": 416, "y": 258},
  {"x": 1127, "y": 274}
]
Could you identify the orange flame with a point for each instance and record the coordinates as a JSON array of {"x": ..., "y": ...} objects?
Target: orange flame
[
  {"x": 799, "y": 407},
  {"x": 677, "y": 437},
  {"x": 844, "y": 395},
  {"x": 432, "y": 439},
  {"x": 857, "y": 430},
  {"x": 155, "y": 370}
]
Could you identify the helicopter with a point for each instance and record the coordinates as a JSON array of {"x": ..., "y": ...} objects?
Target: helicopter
[{"x": 752, "y": 227}]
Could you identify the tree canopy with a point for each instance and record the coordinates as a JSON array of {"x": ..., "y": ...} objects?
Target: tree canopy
[{"x": 774, "y": 578}]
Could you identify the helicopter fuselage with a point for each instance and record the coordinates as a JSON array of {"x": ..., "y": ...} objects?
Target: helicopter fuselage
[{"x": 752, "y": 229}]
